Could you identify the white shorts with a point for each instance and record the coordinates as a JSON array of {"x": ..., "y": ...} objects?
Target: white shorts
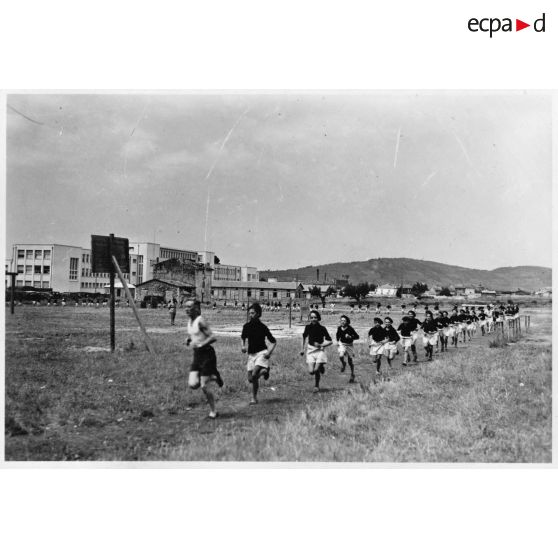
[
  {"x": 377, "y": 349},
  {"x": 430, "y": 339},
  {"x": 471, "y": 327},
  {"x": 390, "y": 349},
  {"x": 415, "y": 335},
  {"x": 344, "y": 349},
  {"x": 257, "y": 359},
  {"x": 407, "y": 342},
  {"x": 482, "y": 323},
  {"x": 315, "y": 355}
]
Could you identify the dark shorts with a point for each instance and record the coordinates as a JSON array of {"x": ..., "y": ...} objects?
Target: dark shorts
[{"x": 205, "y": 361}]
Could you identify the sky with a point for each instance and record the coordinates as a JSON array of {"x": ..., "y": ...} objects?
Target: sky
[{"x": 280, "y": 180}]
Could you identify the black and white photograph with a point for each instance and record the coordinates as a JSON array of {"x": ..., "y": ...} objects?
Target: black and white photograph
[{"x": 333, "y": 276}]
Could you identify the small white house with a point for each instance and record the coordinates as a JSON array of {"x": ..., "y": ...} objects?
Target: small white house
[{"x": 386, "y": 290}]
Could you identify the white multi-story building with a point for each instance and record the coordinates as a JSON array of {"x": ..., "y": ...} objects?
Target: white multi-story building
[
  {"x": 67, "y": 269},
  {"x": 249, "y": 274},
  {"x": 224, "y": 272},
  {"x": 56, "y": 266}
]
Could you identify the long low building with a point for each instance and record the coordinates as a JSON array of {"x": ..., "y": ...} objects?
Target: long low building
[{"x": 244, "y": 291}]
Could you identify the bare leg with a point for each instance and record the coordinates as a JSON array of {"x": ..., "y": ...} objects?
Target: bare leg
[
  {"x": 255, "y": 384},
  {"x": 352, "y": 367},
  {"x": 317, "y": 376},
  {"x": 210, "y": 397}
]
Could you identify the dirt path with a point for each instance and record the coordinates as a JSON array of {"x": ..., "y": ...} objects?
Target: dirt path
[
  {"x": 277, "y": 401},
  {"x": 141, "y": 437}
]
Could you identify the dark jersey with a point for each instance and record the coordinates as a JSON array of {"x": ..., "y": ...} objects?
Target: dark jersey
[
  {"x": 454, "y": 319},
  {"x": 392, "y": 335},
  {"x": 429, "y": 326},
  {"x": 256, "y": 333},
  {"x": 405, "y": 329},
  {"x": 378, "y": 333},
  {"x": 347, "y": 335},
  {"x": 316, "y": 333},
  {"x": 442, "y": 322},
  {"x": 415, "y": 323}
]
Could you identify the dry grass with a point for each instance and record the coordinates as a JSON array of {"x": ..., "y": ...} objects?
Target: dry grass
[{"x": 62, "y": 402}]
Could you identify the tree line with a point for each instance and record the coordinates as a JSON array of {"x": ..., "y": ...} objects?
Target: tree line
[{"x": 361, "y": 290}]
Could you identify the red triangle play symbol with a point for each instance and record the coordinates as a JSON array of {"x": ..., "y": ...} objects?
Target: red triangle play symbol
[{"x": 519, "y": 25}]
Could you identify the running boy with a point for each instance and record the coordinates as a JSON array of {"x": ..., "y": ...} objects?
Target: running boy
[
  {"x": 390, "y": 348},
  {"x": 405, "y": 329},
  {"x": 444, "y": 330},
  {"x": 415, "y": 329},
  {"x": 377, "y": 337},
  {"x": 255, "y": 332},
  {"x": 203, "y": 370},
  {"x": 318, "y": 338},
  {"x": 345, "y": 336},
  {"x": 430, "y": 338}
]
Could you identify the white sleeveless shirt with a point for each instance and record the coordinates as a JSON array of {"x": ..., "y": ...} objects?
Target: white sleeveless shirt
[{"x": 196, "y": 334}]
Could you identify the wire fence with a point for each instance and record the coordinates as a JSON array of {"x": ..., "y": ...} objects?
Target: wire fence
[{"x": 512, "y": 328}]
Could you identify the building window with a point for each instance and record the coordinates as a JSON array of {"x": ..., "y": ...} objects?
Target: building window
[
  {"x": 46, "y": 270},
  {"x": 28, "y": 269},
  {"x": 28, "y": 283},
  {"x": 20, "y": 268},
  {"x": 29, "y": 254},
  {"x": 224, "y": 292},
  {"x": 37, "y": 284},
  {"x": 46, "y": 254},
  {"x": 83, "y": 258},
  {"x": 38, "y": 269},
  {"x": 19, "y": 283},
  {"x": 21, "y": 254},
  {"x": 262, "y": 293},
  {"x": 249, "y": 293},
  {"x": 74, "y": 263},
  {"x": 274, "y": 294},
  {"x": 46, "y": 284},
  {"x": 38, "y": 254}
]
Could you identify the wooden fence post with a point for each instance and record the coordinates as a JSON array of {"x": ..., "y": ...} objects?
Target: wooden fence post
[{"x": 147, "y": 339}]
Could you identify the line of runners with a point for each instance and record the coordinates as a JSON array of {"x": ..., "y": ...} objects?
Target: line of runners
[{"x": 383, "y": 340}]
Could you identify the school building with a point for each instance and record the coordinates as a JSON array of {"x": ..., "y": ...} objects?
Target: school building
[
  {"x": 67, "y": 269},
  {"x": 62, "y": 268}
]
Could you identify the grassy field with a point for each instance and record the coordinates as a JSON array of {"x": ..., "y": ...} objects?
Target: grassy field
[{"x": 67, "y": 398}]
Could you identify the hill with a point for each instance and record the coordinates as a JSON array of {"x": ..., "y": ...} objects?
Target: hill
[{"x": 408, "y": 271}]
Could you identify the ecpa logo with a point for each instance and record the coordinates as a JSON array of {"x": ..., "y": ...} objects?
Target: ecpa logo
[{"x": 492, "y": 25}]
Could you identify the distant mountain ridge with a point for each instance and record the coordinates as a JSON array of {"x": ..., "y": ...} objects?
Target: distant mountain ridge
[{"x": 407, "y": 271}]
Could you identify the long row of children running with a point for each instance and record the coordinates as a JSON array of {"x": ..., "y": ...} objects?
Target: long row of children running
[{"x": 383, "y": 340}]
